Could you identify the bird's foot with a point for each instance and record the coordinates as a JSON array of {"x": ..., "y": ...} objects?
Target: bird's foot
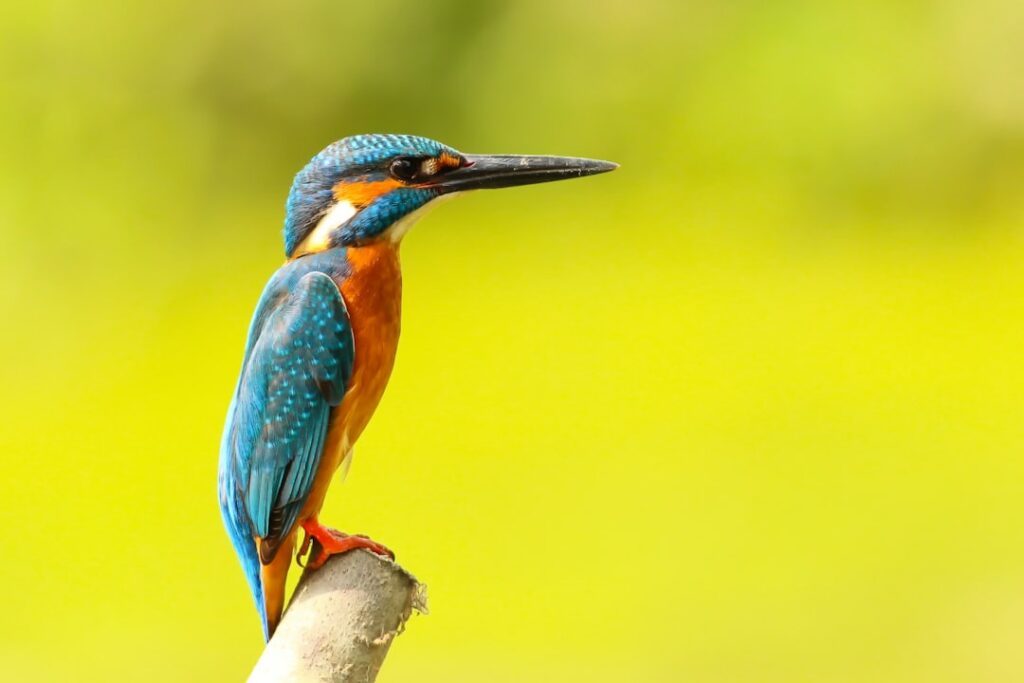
[{"x": 333, "y": 542}]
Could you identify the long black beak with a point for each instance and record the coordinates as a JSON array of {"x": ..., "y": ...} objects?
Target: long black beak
[{"x": 507, "y": 170}]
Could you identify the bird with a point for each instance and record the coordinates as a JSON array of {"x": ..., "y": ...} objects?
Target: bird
[{"x": 322, "y": 341}]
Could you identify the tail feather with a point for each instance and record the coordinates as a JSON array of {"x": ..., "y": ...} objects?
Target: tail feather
[
  {"x": 272, "y": 579},
  {"x": 245, "y": 548}
]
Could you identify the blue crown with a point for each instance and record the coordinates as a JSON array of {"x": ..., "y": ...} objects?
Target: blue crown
[{"x": 363, "y": 156}]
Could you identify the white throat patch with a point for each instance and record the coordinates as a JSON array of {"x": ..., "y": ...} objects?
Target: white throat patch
[{"x": 399, "y": 228}]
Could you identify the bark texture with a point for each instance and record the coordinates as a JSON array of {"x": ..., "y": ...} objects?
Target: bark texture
[{"x": 341, "y": 621}]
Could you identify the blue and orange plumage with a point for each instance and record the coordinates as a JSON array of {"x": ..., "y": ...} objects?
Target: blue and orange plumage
[{"x": 322, "y": 341}]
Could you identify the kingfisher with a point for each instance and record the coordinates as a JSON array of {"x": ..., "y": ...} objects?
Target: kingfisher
[{"x": 323, "y": 338}]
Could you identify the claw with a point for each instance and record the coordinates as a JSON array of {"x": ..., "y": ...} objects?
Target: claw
[
  {"x": 332, "y": 542},
  {"x": 303, "y": 547}
]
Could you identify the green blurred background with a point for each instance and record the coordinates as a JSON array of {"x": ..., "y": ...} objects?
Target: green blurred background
[{"x": 749, "y": 409}]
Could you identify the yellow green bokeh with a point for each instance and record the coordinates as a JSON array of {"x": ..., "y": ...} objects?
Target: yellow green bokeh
[{"x": 749, "y": 409}]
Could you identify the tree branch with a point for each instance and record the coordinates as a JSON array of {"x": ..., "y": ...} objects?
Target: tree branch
[{"x": 341, "y": 621}]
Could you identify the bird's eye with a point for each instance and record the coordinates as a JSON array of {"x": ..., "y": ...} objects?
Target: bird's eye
[{"x": 404, "y": 169}]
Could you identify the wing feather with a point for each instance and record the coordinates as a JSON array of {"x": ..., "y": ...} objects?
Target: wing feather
[{"x": 298, "y": 369}]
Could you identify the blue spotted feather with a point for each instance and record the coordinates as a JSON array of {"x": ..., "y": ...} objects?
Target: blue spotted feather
[{"x": 297, "y": 366}]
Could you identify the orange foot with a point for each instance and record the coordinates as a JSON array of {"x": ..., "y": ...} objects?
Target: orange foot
[{"x": 333, "y": 542}]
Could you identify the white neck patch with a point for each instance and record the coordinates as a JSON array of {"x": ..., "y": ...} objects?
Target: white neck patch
[
  {"x": 343, "y": 211},
  {"x": 320, "y": 238}
]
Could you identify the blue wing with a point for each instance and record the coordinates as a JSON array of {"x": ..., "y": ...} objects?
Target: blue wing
[{"x": 296, "y": 369}]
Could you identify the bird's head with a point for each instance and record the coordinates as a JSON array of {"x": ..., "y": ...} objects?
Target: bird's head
[{"x": 371, "y": 187}]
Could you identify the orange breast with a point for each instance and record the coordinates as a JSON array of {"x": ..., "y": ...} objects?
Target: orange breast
[{"x": 373, "y": 296}]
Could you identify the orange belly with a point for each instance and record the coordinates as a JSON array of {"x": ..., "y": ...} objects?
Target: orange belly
[{"x": 373, "y": 296}]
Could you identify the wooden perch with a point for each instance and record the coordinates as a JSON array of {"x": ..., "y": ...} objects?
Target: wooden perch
[{"x": 341, "y": 621}]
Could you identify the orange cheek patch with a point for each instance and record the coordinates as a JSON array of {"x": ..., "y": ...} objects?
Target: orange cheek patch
[
  {"x": 449, "y": 160},
  {"x": 361, "y": 194}
]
